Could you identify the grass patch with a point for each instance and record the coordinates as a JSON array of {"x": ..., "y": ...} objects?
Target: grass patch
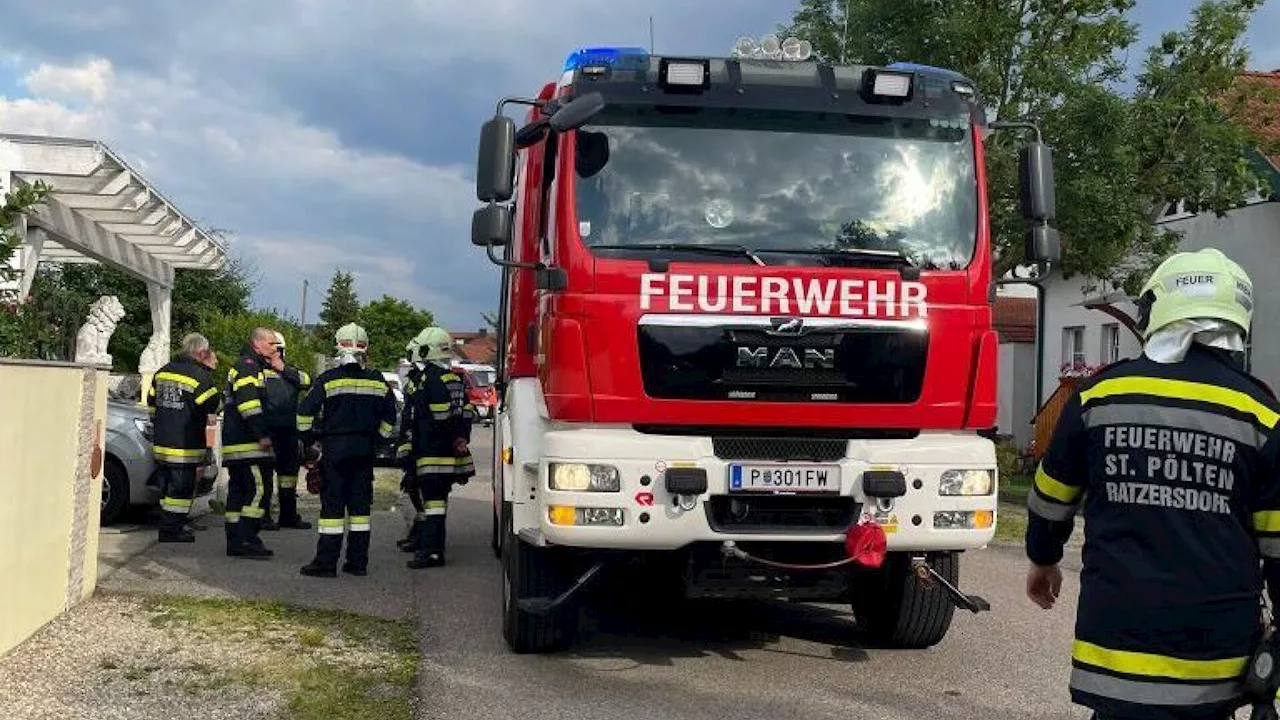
[
  {"x": 386, "y": 487},
  {"x": 1011, "y": 523},
  {"x": 328, "y": 665},
  {"x": 1014, "y": 488}
]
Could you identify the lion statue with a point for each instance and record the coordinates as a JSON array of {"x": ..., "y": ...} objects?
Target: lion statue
[{"x": 91, "y": 340}]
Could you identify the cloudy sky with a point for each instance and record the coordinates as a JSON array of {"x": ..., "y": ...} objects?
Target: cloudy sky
[{"x": 329, "y": 134}]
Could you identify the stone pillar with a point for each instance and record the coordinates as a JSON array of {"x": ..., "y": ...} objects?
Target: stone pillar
[
  {"x": 29, "y": 256},
  {"x": 157, "y": 351}
]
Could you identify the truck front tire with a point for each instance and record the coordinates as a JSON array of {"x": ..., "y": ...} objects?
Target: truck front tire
[
  {"x": 529, "y": 571},
  {"x": 894, "y": 609}
]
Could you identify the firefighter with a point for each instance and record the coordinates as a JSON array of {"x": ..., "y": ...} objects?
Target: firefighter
[
  {"x": 280, "y": 402},
  {"x": 404, "y": 448},
  {"x": 347, "y": 410},
  {"x": 439, "y": 419},
  {"x": 246, "y": 445},
  {"x": 182, "y": 396},
  {"x": 1171, "y": 459}
]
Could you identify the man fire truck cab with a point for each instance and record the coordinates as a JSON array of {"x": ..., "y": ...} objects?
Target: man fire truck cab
[{"x": 745, "y": 311}]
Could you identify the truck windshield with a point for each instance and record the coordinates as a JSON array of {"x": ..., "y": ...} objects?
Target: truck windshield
[{"x": 776, "y": 182}]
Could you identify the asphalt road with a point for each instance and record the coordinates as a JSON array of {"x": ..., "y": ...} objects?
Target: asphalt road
[{"x": 647, "y": 658}]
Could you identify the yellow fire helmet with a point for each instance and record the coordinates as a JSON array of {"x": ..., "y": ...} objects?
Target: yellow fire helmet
[
  {"x": 1205, "y": 284},
  {"x": 352, "y": 338},
  {"x": 435, "y": 344}
]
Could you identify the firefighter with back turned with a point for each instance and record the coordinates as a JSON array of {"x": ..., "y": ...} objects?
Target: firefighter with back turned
[{"x": 1173, "y": 461}]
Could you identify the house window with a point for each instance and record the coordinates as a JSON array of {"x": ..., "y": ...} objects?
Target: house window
[
  {"x": 1073, "y": 347},
  {"x": 1110, "y": 343}
]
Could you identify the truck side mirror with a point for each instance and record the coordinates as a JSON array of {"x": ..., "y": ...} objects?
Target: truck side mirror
[
  {"x": 491, "y": 226},
  {"x": 1043, "y": 244},
  {"x": 575, "y": 113},
  {"x": 495, "y": 166},
  {"x": 1035, "y": 179}
]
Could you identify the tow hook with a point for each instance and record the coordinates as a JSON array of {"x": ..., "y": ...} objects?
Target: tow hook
[
  {"x": 925, "y": 573},
  {"x": 547, "y": 605}
]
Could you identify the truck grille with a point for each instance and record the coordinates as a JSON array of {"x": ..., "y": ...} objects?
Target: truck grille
[
  {"x": 765, "y": 448},
  {"x": 780, "y": 513},
  {"x": 744, "y": 361}
]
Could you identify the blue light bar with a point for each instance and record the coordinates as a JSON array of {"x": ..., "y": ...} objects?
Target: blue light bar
[
  {"x": 928, "y": 70},
  {"x": 610, "y": 56}
]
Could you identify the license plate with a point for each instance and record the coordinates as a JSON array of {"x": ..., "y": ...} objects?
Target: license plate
[{"x": 788, "y": 477}]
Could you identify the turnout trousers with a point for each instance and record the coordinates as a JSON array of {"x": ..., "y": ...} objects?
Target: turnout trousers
[
  {"x": 411, "y": 488},
  {"x": 346, "y": 494},
  {"x": 178, "y": 488},
  {"x": 245, "y": 490},
  {"x": 284, "y": 443},
  {"x": 429, "y": 545}
]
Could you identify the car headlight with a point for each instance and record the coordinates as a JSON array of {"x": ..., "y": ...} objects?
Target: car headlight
[
  {"x": 965, "y": 482},
  {"x": 580, "y": 477},
  {"x": 144, "y": 427}
]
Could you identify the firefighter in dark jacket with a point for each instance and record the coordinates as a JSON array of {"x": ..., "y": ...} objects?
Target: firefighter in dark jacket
[
  {"x": 348, "y": 410},
  {"x": 246, "y": 445},
  {"x": 437, "y": 420},
  {"x": 1172, "y": 460},
  {"x": 404, "y": 448},
  {"x": 182, "y": 396},
  {"x": 280, "y": 403}
]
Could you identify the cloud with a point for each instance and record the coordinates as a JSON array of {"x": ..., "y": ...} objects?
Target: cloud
[
  {"x": 324, "y": 135},
  {"x": 302, "y": 202},
  {"x": 87, "y": 83}
]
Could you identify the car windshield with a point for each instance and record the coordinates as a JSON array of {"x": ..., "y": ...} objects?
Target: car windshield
[{"x": 774, "y": 181}]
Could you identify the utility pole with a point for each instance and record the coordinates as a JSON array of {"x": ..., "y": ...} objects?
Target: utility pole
[
  {"x": 651, "y": 51},
  {"x": 302, "y": 321}
]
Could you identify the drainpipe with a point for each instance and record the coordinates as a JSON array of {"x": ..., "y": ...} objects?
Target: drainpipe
[{"x": 1039, "y": 343}]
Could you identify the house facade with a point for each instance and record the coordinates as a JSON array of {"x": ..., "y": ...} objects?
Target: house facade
[
  {"x": 1014, "y": 318},
  {"x": 1085, "y": 338}
]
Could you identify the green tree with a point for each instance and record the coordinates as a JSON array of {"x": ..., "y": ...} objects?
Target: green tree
[
  {"x": 340, "y": 306},
  {"x": 21, "y": 325},
  {"x": 228, "y": 334},
  {"x": 17, "y": 203},
  {"x": 62, "y": 294},
  {"x": 1121, "y": 156},
  {"x": 490, "y": 319},
  {"x": 391, "y": 323}
]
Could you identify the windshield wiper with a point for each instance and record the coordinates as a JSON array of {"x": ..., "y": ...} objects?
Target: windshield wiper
[
  {"x": 909, "y": 269},
  {"x": 707, "y": 249},
  {"x": 893, "y": 256}
]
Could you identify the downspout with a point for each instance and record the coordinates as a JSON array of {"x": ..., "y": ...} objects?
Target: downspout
[{"x": 1039, "y": 343}]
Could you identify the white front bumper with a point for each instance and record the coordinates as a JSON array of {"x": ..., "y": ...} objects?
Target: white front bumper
[{"x": 908, "y": 522}]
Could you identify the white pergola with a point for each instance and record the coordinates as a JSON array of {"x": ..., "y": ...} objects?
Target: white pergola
[{"x": 100, "y": 210}]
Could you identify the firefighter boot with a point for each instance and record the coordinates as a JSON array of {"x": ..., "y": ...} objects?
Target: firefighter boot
[
  {"x": 289, "y": 517},
  {"x": 173, "y": 528},
  {"x": 429, "y": 551},
  {"x": 357, "y": 553},
  {"x": 246, "y": 543},
  {"x": 328, "y": 547},
  {"x": 410, "y": 543}
]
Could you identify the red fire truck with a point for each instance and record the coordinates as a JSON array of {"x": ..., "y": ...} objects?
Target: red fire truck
[{"x": 745, "y": 310}]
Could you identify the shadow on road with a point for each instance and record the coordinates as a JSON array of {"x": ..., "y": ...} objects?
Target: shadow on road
[{"x": 652, "y": 633}]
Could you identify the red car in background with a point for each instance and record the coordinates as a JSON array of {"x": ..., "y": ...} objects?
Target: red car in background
[{"x": 481, "y": 392}]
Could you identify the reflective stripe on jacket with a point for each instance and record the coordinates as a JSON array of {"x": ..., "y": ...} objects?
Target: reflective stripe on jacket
[
  {"x": 181, "y": 398},
  {"x": 243, "y": 423},
  {"x": 1176, "y": 471}
]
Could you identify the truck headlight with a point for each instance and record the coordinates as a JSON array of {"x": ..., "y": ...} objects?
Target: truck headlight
[
  {"x": 965, "y": 482},
  {"x": 144, "y": 427},
  {"x": 581, "y": 477}
]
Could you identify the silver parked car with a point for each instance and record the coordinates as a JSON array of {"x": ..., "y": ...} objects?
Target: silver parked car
[{"x": 128, "y": 473}]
